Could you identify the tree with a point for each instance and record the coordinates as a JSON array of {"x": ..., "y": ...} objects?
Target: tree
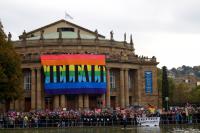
[
  {"x": 194, "y": 96},
  {"x": 165, "y": 88},
  {"x": 159, "y": 85},
  {"x": 172, "y": 87},
  {"x": 10, "y": 71},
  {"x": 181, "y": 94}
]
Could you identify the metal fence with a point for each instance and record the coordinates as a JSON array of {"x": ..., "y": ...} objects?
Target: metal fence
[{"x": 92, "y": 121}]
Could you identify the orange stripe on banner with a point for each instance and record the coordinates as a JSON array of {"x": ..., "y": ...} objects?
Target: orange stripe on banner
[
  {"x": 73, "y": 56},
  {"x": 74, "y": 62}
]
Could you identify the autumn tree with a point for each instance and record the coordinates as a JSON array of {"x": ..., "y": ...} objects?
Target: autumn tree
[{"x": 10, "y": 70}]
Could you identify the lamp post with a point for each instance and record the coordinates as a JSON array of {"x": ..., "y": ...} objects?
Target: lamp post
[{"x": 166, "y": 100}]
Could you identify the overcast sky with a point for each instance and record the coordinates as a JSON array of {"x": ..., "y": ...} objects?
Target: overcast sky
[{"x": 167, "y": 29}]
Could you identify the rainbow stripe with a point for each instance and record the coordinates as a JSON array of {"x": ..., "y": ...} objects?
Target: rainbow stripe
[
  {"x": 76, "y": 59},
  {"x": 74, "y": 74}
]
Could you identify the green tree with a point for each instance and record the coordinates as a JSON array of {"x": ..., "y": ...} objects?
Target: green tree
[
  {"x": 194, "y": 96},
  {"x": 172, "y": 86},
  {"x": 10, "y": 71},
  {"x": 181, "y": 94},
  {"x": 165, "y": 88}
]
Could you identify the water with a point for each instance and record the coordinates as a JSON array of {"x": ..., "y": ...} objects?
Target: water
[{"x": 161, "y": 129}]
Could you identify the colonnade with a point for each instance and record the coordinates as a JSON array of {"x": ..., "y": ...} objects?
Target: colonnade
[
  {"x": 36, "y": 90},
  {"x": 60, "y": 101},
  {"x": 124, "y": 88}
]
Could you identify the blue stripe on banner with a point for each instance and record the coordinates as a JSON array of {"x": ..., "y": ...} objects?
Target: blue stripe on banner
[
  {"x": 76, "y": 91},
  {"x": 74, "y": 86}
]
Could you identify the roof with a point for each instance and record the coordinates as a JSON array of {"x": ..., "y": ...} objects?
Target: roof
[{"x": 62, "y": 20}]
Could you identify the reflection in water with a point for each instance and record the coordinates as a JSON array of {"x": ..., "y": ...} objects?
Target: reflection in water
[
  {"x": 161, "y": 129},
  {"x": 187, "y": 130},
  {"x": 148, "y": 129}
]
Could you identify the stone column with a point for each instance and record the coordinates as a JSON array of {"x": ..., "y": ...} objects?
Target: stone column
[
  {"x": 56, "y": 102},
  {"x": 33, "y": 89},
  {"x": 133, "y": 74},
  {"x": 122, "y": 88},
  {"x": 138, "y": 86},
  {"x": 12, "y": 104},
  {"x": 39, "y": 90},
  {"x": 108, "y": 88},
  {"x": 65, "y": 101},
  {"x": 17, "y": 105},
  {"x": 80, "y": 102},
  {"x": 43, "y": 102},
  {"x": 86, "y": 101},
  {"x": 22, "y": 104},
  {"x": 62, "y": 101},
  {"x": 126, "y": 88},
  {"x": 103, "y": 97}
]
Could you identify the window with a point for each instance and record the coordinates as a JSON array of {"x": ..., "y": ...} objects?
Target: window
[
  {"x": 112, "y": 80},
  {"x": 65, "y": 29},
  {"x": 27, "y": 80}
]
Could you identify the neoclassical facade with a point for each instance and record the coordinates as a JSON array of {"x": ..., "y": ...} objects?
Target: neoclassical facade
[{"x": 131, "y": 80}]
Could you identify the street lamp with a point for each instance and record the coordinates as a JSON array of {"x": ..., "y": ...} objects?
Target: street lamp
[{"x": 167, "y": 99}]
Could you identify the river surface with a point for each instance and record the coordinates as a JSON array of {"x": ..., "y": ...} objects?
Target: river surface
[{"x": 161, "y": 129}]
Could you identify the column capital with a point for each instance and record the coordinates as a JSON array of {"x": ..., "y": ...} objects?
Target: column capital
[
  {"x": 108, "y": 68},
  {"x": 122, "y": 69},
  {"x": 38, "y": 68},
  {"x": 126, "y": 69},
  {"x": 32, "y": 69}
]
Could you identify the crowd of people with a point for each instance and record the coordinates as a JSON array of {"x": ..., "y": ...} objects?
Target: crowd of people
[{"x": 97, "y": 117}]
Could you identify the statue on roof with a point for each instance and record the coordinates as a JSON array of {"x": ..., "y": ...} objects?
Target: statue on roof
[
  {"x": 24, "y": 36},
  {"x": 96, "y": 35},
  {"x": 131, "y": 40},
  {"x": 111, "y": 35},
  {"x": 41, "y": 34},
  {"x": 9, "y": 36},
  {"x": 60, "y": 34},
  {"x": 125, "y": 37},
  {"x": 78, "y": 34}
]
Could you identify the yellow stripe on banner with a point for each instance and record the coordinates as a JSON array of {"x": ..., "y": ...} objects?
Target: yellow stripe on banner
[
  {"x": 80, "y": 67},
  {"x": 97, "y": 68},
  {"x": 63, "y": 68},
  {"x": 71, "y": 68},
  {"x": 89, "y": 67},
  {"x": 54, "y": 68},
  {"x": 46, "y": 68},
  {"x": 104, "y": 68}
]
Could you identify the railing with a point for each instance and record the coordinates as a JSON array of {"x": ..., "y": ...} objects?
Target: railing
[{"x": 91, "y": 121}]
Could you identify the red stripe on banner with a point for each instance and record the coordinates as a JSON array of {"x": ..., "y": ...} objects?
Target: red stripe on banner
[{"x": 77, "y": 59}]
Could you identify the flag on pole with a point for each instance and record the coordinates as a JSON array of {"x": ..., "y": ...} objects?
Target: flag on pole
[{"x": 68, "y": 16}]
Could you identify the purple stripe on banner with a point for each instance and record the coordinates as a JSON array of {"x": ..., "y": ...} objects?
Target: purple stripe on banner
[
  {"x": 76, "y": 91},
  {"x": 75, "y": 85}
]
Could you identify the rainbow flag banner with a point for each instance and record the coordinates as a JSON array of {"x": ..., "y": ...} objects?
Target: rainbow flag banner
[{"x": 74, "y": 74}]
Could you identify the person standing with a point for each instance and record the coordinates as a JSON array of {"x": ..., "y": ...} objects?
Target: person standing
[{"x": 124, "y": 120}]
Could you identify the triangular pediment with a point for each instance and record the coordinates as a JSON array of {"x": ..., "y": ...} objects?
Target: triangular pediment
[{"x": 69, "y": 29}]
